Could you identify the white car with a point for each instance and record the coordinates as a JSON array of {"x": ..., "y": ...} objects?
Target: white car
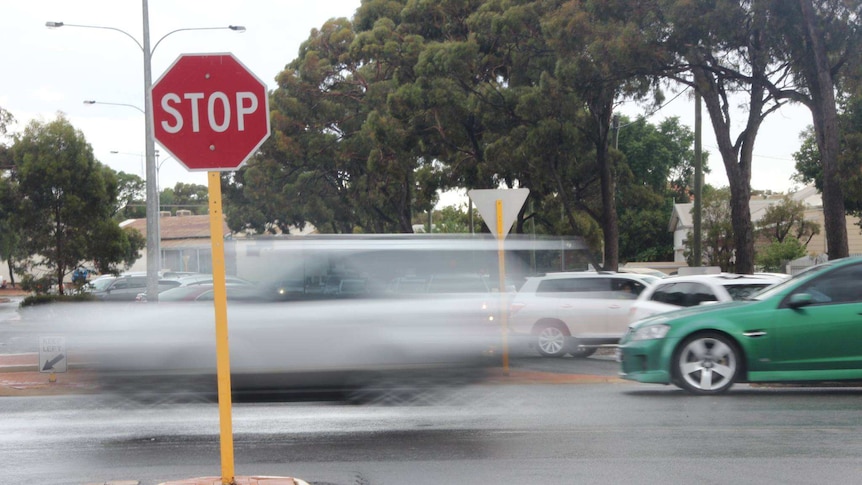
[
  {"x": 678, "y": 292},
  {"x": 576, "y": 312}
]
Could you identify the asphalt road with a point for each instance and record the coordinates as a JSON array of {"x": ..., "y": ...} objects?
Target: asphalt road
[{"x": 489, "y": 434}]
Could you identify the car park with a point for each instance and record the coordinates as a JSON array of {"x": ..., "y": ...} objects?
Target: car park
[
  {"x": 804, "y": 329},
  {"x": 574, "y": 312},
  {"x": 678, "y": 292}
]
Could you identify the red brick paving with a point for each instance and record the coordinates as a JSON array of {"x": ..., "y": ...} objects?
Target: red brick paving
[{"x": 252, "y": 480}]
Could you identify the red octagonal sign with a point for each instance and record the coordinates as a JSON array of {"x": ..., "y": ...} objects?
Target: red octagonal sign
[{"x": 210, "y": 112}]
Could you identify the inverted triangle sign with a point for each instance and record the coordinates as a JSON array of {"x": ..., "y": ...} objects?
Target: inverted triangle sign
[{"x": 511, "y": 201}]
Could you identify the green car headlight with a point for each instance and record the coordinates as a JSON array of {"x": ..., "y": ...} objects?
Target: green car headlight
[{"x": 651, "y": 332}]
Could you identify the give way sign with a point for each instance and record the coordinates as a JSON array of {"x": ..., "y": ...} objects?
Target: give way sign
[{"x": 210, "y": 112}]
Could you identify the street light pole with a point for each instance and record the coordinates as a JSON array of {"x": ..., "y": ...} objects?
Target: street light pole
[
  {"x": 153, "y": 234},
  {"x": 154, "y": 253}
]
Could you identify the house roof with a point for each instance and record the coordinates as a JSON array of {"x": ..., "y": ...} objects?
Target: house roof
[{"x": 184, "y": 227}]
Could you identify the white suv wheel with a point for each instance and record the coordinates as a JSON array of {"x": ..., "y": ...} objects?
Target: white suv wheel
[{"x": 552, "y": 341}]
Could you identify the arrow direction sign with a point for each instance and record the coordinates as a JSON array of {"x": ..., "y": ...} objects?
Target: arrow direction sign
[
  {"x": 52, "y": 351},
  {"x": 49, "y": 364}
]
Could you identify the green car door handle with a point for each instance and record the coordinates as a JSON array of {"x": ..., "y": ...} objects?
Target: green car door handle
[{"x": 754, "y": 333}]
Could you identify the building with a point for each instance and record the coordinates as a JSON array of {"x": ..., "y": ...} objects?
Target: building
[
  {"x": 681, "y": 222},
  {"x": 185, "y": 242}
]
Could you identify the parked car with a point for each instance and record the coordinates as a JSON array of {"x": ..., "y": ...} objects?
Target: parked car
[
  {"x": 678, "y": 292},
  {"x": 806, "y": 328},
  {"x": 124, "y": 287},
  {"x": 574, "y": 312}
]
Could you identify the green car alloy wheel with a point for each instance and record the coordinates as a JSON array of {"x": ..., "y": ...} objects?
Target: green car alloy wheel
[{"x": 706, "y": 363}]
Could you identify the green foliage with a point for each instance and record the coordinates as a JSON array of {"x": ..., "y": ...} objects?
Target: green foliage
[
  {"x": 380, "y": 113},
  {"x": 786, "y": 220},
  {"x": 37, "y": 284},
  {"x": 192, "y": 197},
  {"x": 644, "y": 235},
  {"x": 809, "y": 167},
  {"x": 43, "y": 299},
  {"x": 657, "y": 169},
  {"x": 64, "y": 202},
  {"x": 6, "y": 118},
  {"x": 718, "y": 243},
  {"x": 775, "y": 256},
  {"x": 453, "y": 219},
  {"x": 131, "y": 197}
]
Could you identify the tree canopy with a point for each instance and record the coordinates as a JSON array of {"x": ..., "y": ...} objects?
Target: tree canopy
[{"x": 381, "y": 112}]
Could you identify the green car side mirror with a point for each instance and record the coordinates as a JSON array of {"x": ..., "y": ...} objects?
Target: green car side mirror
[{"x": 799, "y": 300}]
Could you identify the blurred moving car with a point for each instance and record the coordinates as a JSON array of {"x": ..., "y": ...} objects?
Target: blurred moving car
[
  {"x": 806, "y": 328},
  {"x": 326, "y": 322},
  {"x": 678, "y": 292},
  {"x": 574, "y": 312},
  {"x": 357, "y": 349}
]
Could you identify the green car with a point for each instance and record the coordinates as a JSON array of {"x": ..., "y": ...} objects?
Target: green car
[{"x": 805, "y": 329}]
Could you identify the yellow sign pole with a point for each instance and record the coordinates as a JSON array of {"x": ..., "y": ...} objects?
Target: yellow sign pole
[
  {"x": 504, "y": 313},
  {"x": 222, "y": 344}
]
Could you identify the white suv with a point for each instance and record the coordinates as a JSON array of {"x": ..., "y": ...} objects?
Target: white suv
[
  {"x": 574, "y": 313},
  {"x": 678, "y": 292}
]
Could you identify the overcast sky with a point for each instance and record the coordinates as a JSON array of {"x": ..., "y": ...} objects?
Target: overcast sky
[{"x": 54, "y": 70}]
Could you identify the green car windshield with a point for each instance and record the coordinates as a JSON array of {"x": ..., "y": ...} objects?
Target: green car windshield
[{"x": 779, "y": 287}]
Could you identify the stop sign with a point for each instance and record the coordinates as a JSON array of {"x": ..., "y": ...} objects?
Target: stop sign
[{"x": 210, "y": 112}]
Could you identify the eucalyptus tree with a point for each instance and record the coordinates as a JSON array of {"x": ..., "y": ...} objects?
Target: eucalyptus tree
[
  {"x": 130, "y": 203},
  {"x": 820, "y": 40},
  {"x": 305, "y": 171},
  {"x": 726, "y": 54},
  {"x": 337, "y": 157},
  {"x": 64, "y": 201},
  {"x": 606, "y": 50},
  {"x": 771, "y": 52},
  {"x": 786, "y": 220}
]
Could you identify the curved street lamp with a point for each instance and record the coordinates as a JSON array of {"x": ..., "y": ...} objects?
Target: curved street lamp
[
  {"x": 93, "y": 101},
  {"x": 153, "y": 233},
  {"x": 117, "y": 152}
]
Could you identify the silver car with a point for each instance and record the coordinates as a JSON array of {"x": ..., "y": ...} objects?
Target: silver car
[{"x": 574, "y": 312}]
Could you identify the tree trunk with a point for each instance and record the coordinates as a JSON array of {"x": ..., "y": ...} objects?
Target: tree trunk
[
  {"x": 737, "y": 163},
  {"x": 11, "y": 273},
  {"x": 821, "y": 85},
  {"x": 610, "y": 224},
  {"x": 602, "y": 111}
]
